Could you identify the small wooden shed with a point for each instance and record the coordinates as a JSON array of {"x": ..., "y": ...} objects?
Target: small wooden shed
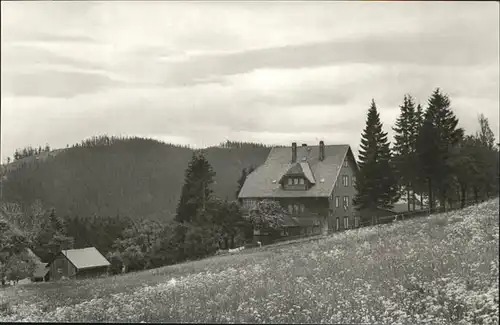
[{"x": 78, "y": 263}]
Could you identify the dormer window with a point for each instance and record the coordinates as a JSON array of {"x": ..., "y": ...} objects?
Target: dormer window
[
  {"x": 301, "y": 181},
  {"x": 295, "y": 181},
  {"x": 345, "y": 163},
  {"x": 290, "y": 181}
]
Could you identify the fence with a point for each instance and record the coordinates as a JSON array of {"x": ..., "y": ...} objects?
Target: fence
[{"x": 426, "y": 211}]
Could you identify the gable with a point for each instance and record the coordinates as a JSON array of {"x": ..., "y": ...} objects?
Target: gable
[
  {"x": 83, "y": 258},
  {"x": 264, "y": 181},
  {"x": 300, "y": 169}
]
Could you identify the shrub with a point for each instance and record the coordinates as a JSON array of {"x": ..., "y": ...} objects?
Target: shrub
[{"x": 5, "y": 308}]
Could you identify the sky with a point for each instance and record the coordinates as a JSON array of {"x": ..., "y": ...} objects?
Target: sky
[{"x": 198, "y": 73}]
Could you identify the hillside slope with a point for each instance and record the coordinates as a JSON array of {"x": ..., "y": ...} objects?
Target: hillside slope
[
  {"x": 132, "y": 177},
  {"x": 441, "y": 269}
]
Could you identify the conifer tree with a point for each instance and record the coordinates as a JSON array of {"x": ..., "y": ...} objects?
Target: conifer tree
[
  {"x": 375, "y": 183},
  {"x": 404, "y": 145},
  {"x": 241, "y": 181},
  {"x": 243, "y": 177},
  {"x": 438, "y": 138},
  {"x": 196, "y": 191},
  {"x": 52, "y": 237},
  {"x": 418, "y": 182}
]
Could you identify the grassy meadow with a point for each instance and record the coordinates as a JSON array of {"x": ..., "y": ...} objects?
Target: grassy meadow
[{"x": 441, "y": 269}]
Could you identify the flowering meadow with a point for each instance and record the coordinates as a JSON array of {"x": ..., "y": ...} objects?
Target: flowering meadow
[{"x": 441, "y": 269}]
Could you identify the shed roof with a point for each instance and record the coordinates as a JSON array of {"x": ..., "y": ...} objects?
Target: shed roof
[
  {"x": 85, "y": 258},
  {"x": 263, "y": 182}
]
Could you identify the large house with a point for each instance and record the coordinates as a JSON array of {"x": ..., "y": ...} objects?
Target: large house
[
  {"x": 313, "y": 183},
  {"x": 78, "y": 263}
]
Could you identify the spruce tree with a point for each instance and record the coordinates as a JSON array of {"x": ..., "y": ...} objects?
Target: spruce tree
[
  {"x": 418, "y": 185},
  {"x": 196, "y": 191},
  {"x": 438, "y": 139},
  {"x": 241, "y": 181},
  {"x": 375, "y": 183},
  {"x": 243, "y": 177},
  {"x": 404, "y": 145},
  {"x": 52, "y": 237}
]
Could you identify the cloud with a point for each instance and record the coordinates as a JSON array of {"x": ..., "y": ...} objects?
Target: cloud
[
  {"x": 200, "y": 73},
  {"x": 438, "y": 48},
  {"x": 53, "y": 83},
  {"x": 27, "y": 37}
]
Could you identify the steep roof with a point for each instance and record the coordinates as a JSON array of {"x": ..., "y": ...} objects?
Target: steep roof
[
  {"x": 302, "y": 168},
  {"x": 307, "y": 172},
  {"x": 264, "y": 181},
  {"x": 85, "y": 258}
]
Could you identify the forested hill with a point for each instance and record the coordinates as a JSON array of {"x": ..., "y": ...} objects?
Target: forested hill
[{"x": 133, "y": 177}]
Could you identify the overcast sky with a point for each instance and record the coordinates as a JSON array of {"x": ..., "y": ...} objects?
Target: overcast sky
[{"x": 200, "y": 73}]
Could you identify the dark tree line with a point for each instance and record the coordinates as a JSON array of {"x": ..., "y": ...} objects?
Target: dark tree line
[
  {"x": 133, "y": 177},
  {"x": 29, "y": 152},
  {"x": 241, "y": 144},
  {"x": 431, "y": 157}
]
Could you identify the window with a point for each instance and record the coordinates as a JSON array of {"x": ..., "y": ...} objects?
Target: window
[
  {"x": 356, "y": 222},
  {"x": 337, "y": 226},
  {"x": 302, "y": 208},
  {"x": 337, "y": 201},
  {"x": 295, "y": 181},
  {"x": 346, "y": 202},
  {"x": 290, "y": 181},
  {"x": 345, "y": 163},
  {"x": 353, "y": 180},
  {"x": 290, "y": 208},
  {"x": 336, "y": 184},
  {"x": 296, "y": 208},
  {"x": 345, "y": 180},
  {"x": 301, "y": 181},
  {"x": 346, "y": 222}
]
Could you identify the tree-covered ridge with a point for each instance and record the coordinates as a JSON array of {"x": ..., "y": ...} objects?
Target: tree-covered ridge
[{"x": 133, "y": 177}]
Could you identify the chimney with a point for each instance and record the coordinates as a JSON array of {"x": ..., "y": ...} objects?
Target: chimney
[
  {"x": 294, "y": 152},
  {"x": 321, "y": 150},
  {"x": 304, "y": 145}
]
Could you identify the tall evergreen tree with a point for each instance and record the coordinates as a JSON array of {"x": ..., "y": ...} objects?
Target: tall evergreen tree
[
  {"x": 404, "y": 145},
  {"x": 52, "y": 237},
  {"x": 241, "y": 181},
  {"x": 418, "y": 181},
  {"x": 196, "y": 191},
  {"x": 375, "y": 183},
  {"x": 438, "y": 140},
  {"x": 243, "y": 177},
  {"x": 466, "y": 166}
]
